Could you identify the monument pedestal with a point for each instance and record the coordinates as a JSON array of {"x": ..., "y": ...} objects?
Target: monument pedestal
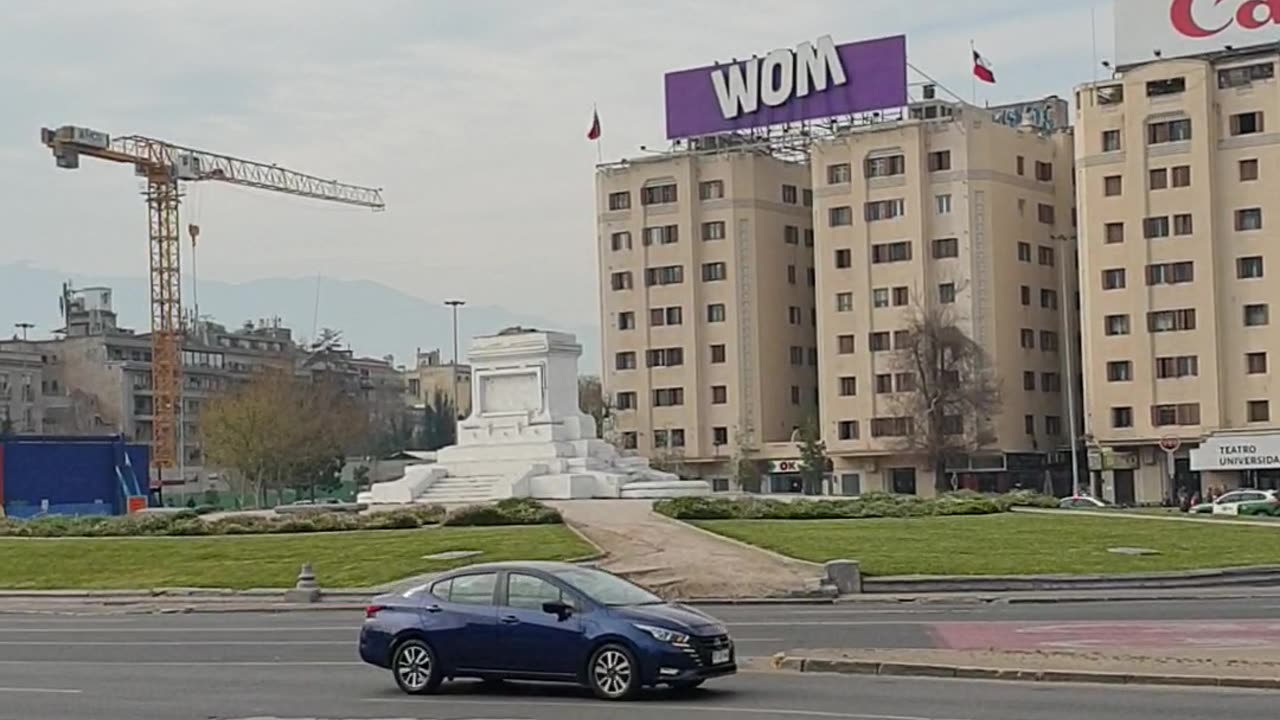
[{"x": 527, "y": 437}]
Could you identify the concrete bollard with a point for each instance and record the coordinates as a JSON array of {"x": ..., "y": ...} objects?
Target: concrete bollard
[
  {"x": 845, "y": 576},
  {"x": 307, "y": 590}
]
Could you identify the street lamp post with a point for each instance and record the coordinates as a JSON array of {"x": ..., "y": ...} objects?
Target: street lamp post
[
  {"x": 454, "y": 305},
  {"x": 24, "y": 327},
  {"x": 1067, "y": 330}
]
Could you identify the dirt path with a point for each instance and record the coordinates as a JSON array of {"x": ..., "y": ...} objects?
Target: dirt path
[{"x": 675, "y": 560}]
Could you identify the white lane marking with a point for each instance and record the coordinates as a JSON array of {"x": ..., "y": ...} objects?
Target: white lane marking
[
  {"x": 179, "y": 643},
  {"x": 683, "y": 708},
  {"x": 48, "y": 691},
  {"x": 319, "y": 628},
  {"x": 194, "y": 663},
  {"x": 824, "y": 623}
]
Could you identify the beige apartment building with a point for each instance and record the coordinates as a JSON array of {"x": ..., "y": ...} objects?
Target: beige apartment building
[
  {"x": 1179, "y": 174},
  {"x": 946, "y": 206},
  {"x": 707, "y": 281},
  {"x": 431, "y": 376}
]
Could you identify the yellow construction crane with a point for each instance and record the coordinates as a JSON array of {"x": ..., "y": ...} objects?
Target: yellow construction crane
[{"x": 165, "y": 166}]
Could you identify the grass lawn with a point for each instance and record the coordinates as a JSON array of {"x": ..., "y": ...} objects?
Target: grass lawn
[
  {"x": 341, "y": 560},
  {"x": 1009, "y": 543}
]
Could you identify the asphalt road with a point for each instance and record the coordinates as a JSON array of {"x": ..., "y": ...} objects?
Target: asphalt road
[{"x": 302, "y": 665}]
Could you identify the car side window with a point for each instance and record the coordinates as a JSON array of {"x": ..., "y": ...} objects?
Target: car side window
[
  {"x": 442, "y": 588},
  {"x": 473, "y": 589},
  {"x": 529, "y": 593}
]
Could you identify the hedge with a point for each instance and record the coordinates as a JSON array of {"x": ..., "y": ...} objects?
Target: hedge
[
  {"x": 871, "y": 505},
  {"x": 513, "y": 511}
]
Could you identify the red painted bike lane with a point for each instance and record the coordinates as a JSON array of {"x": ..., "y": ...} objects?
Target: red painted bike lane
[{"x": 1190, "y": 635}]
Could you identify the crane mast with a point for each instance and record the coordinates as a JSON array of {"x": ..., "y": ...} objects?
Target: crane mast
[{"x": 165, "y": 166}]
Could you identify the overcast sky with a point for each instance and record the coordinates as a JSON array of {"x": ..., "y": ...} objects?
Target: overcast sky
[{"x": 472, "y": 115}]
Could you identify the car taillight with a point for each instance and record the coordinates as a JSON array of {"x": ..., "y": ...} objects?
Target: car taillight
[{"x": 373, "y": 610}]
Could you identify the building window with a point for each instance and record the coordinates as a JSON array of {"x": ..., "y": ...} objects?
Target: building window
[
  {"x": 1248, "y": 170},
  {"x": 626, "y": 321},
  {"x": 1155, "y": 227},
  {"x": 791, "y": 235},
  {"x": 901, "y": 339},
  {"x": 808, "y": 237},
  {"x": 946, "y": 248},
  {"x": 1256, "y": 363},
  {"x": 1028, "y": 381},
  {"x": 1024, "y": 293},
  {"x": 1257, "y": 315},
  {"x": 1171, "y": 273},
  {"x": 716, "y": 313},
  {"x": 1028, "y": 339},
  {"x": 1170, "y": 368},
  {"x": 844, "y": 258},
  {"x": 668, "y": 397},
  {"x": 947, "y": 293},
  {"x": 942, "y": 203},
  {"x": 1249, "y": 123},
  {"x": 1259, "y": 411},
  {"x": 1110, "y": 141},
  {"x": 1183, "y": 225},
  {"x": 1114, "y": 233},
  {"x": 1181, "y": 176},
  {"x": 630, "y": 441},
  {"x": 1052, "y": 426},
  {"x": 1112, "y": 185},
  {"x": 1249, "y": 219},
  {"x": 667, "y": 275},
  {"x": 848, "y": 429},
  {"x": 662, "y": 235},
  {"x": 1021, "y": 164},
  {"x": 713, "y": 230},
  {"x": 1175, "y": 415},
  {"x": 659, "y": 317},
  {"x": 840, "y": 216},
  {"x": 1024, "y": 252},
  {"x": 718, "y": 355},
  {"x": 806, "y": 197},
  {"x": 711, "y": 190},
  {"x": 848, "y": 386},
  {"x": 677, "y": 439},
  {"x": 658, "y": 195},
  {"x": 845, "y": 344},
  {"x": 884, "y": 209},
  {"x": 1048, "y": 341},
  {"x": 1121, "y": 417},
  {"x": 1119, "y": 371},
  {"x": 795, "y": 394},
  {"x": 712, "y": 272},
  {"x": 1159, "y": 133},
  {"x": 620, "y": 241},
  {"x": 891, "y": 427},
  {"x": 790, "y": 195},
  {"x": 1051, "y": 382},
  {"x": 794, "y": 316},
  {"x": 839, "y": 174},
  {"x": 1044, "y": 171},
  {"x": 620, "y": 200},
  {"x": 1249, "y": 268},
  {"x": 1157, "y": 179},
  {"x": 625, "y": 361},
  {"x": 880, "y": 342},
  {"x": 1116, "y": 324},
  {"x": 1245, "y": 75},
  {"x": 665, "y": 357},
  {"x": 720, "y": 395},
  {"x": 621, "y": 281},
  {"x": 884, "y": 166},
  {"x": 720, "y": 436},
  {"x": 626, "y": 400},
  {"x": 904, "y": 382},
  {"x": 1029, "y": 424},
  {"x": 1160, "y": 321},
  {"x": 939, "y": 160},
  {"x": 797, "y": 356},
  {"x": 901, "y": 296},
  {"x": 1046, "y": 214},
  {"x": 844, "y": 302},
  {"x": 1047, "y": 256},
  {"x": 791, "y": 274},
  {"x": 880, "y": 298},
  {"x": 891, "y": 252}
]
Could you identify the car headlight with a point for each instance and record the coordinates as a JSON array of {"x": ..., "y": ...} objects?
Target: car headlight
[{"x": 664, "y": 635}]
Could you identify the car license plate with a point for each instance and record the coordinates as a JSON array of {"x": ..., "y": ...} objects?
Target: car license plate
[{"x": 720, "y": 657}]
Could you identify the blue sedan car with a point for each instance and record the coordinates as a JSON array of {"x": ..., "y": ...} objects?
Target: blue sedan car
[{"x": 542, "y": 622}]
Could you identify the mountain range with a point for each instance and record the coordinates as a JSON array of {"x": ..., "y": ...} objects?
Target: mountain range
[{"x": 375, "y": 320}]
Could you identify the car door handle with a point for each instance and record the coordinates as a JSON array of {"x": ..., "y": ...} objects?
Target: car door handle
[
  {"x": 510, "y": 620},
  {"x": 432, "y": 609}
]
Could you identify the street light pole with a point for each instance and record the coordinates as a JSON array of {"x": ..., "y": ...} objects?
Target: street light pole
[
  {"x": 454, "y": 305},
  {"x": 24, "y": 327},
  {"x": 1070, "y": 350}
]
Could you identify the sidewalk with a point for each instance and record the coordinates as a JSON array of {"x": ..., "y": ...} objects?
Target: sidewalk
[{"x": 678, "y": 561}]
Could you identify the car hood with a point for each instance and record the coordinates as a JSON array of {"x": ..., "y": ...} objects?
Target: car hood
[{"x": 675, "y": 617}]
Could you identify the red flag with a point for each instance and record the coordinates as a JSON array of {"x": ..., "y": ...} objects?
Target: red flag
[
  {"x": 594, "y": 132},
  {"x": 982, "y": 68}
]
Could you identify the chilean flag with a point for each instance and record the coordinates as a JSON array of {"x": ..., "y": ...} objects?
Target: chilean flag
[
  {"x": 982, "y": 68},
  {"x": 594, "y": 132}
]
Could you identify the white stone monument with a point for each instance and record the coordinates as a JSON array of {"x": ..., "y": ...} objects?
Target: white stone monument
[{"x": 527, "y": 437}]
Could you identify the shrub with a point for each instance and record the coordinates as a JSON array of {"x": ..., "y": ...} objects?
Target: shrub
[
  {"x": 871, "y": 505},
  {"x": 513, "y": 511}
]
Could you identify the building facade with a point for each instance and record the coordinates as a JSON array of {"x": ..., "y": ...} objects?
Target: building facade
[
  {"x": 429, "y": 377},
  {"x": 22, "y": 389},
  {"x": 1178, "y": 170},
  {"x": 707, "y": 281}
]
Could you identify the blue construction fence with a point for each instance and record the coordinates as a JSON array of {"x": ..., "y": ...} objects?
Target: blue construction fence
[{"x": 47, "y": 475}]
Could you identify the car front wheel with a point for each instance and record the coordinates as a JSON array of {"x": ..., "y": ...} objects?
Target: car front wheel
[
  {"x": 613, "y": 673},
  {"x": 415, "y": 668}
]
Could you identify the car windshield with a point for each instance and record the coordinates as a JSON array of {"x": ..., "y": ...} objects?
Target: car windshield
[{"x": 607, "y": 589}]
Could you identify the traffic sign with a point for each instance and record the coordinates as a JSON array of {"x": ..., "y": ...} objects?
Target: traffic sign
[{"x": 1170, "y": 444}]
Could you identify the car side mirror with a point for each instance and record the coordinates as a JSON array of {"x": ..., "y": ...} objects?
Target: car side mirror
[{"x": 559, "y": 609}]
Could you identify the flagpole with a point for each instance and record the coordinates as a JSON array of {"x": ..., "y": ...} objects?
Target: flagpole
[
  {"x": 595, "y": 114},
  {"x": 973, "y": 78}
]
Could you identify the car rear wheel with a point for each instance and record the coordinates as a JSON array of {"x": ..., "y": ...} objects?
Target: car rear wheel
[
  {"x": 415, "y": 668},
  {"x": 613, "y": 673}
]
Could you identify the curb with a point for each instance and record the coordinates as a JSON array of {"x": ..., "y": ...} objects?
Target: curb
[{"x": 894, "y": 669}]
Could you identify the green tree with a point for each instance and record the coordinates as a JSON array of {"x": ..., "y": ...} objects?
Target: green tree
[
  {"x": 593, "y": 401},
  {"x": 813, "y": 457},
  {"x": 439, "y": 423}
]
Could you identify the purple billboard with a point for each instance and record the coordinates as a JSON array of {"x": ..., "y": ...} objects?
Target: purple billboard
[{"x": 814, "y": 80}]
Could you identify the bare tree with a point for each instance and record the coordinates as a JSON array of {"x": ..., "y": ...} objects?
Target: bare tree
[
  {"x": 947, "y": 392},
  {"x": 593, "y": 400}
]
